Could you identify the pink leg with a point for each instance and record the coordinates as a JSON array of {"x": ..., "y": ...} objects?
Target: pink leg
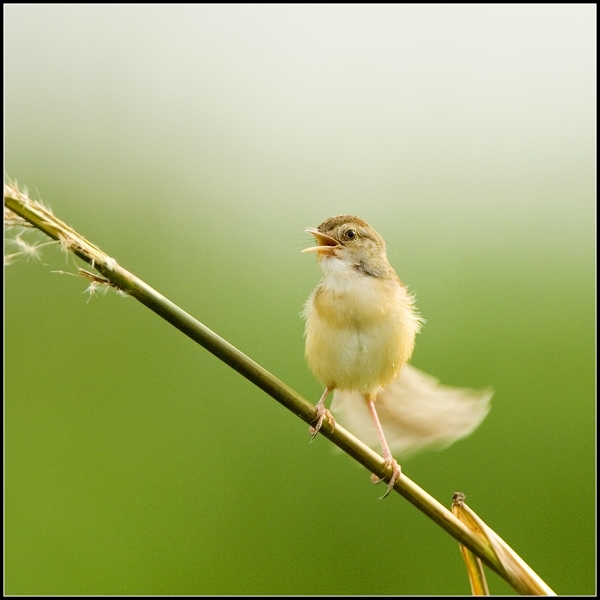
[
  {"x": 322, "y": 413},
  {"x": 390, "y": 461}
]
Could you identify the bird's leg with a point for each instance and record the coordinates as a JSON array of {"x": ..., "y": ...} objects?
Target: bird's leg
[
  {"x": 390, "y": 461},
  {"x": 322, "y": 414}
]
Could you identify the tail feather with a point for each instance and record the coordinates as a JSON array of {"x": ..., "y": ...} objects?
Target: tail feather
[{"x": 415, "y": 411}]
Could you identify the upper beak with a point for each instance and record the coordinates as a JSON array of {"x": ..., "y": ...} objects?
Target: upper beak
[{"x": 326, "y": 244}]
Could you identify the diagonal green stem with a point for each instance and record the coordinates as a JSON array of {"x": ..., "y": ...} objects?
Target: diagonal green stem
[{"x": 41, "y": 218}]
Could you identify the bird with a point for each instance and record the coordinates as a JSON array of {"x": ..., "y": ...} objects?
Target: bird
[{"x": 360, "y": 328}]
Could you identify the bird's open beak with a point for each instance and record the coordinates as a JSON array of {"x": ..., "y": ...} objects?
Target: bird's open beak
[{"x": 326, "y": 244}]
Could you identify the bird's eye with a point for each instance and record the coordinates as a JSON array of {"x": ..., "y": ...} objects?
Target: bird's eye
[{"x": 350, "y": 234}]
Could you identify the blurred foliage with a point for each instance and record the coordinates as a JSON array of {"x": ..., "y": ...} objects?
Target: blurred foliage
[{"x": 194, "y": 144}]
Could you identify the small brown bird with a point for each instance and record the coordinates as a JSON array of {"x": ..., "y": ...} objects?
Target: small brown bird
[{"x": 361, "y": 325}]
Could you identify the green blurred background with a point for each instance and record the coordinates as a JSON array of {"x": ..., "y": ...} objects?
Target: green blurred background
[{"x": 194, "y": 144}]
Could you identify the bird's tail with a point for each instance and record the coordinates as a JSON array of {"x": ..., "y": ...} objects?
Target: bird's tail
[{"x": 415, "y": 411}]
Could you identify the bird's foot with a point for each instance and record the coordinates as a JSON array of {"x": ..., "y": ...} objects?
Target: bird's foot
[
  {"x": 389, "y": 462},
  {"x": 322, "y": 414}
]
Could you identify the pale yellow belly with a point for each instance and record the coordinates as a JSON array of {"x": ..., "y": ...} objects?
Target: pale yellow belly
[
  {"x": 354, "y": 358},
  {"x": 360, "y": 331}
]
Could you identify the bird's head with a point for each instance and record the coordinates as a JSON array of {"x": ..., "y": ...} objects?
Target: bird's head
[{"x": 350, "y": 239}]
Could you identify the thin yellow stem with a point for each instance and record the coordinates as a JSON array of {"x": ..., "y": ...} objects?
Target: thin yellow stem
[{"x": 118, "y": 277}]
